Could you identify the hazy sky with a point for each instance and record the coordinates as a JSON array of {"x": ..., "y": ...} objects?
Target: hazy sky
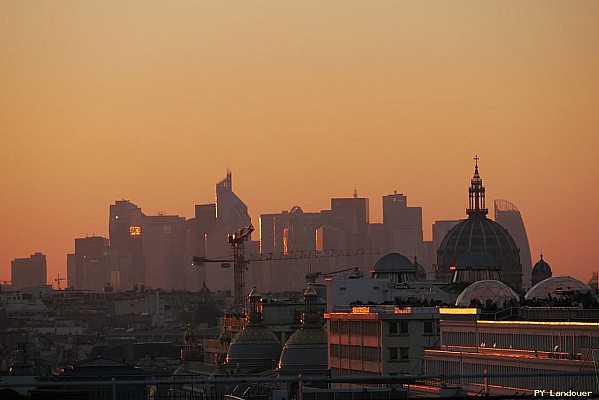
[{"x": 303, "y": 100}]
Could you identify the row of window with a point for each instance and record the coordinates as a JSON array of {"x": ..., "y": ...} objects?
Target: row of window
[
  {"x": 355, "y": 352},
  {"x": 403, "y": 327},
  {"x": 399, "y": 353},
  {"x": 514, "y": 378},
  {"x": 522, "y": 341},
  {"x": 367, "y": 328}
]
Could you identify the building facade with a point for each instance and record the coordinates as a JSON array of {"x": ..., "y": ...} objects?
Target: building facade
[
  {"x": 403, "y": 226},
  {"x": 28, "y": 272},
  {"x": 376, "y": 340},
  {"x": 89, "y": 267},
  {"x": 164, "y": 240},
  {"x": 516, "y": 348},
  {"x": 508, "y": 216}
]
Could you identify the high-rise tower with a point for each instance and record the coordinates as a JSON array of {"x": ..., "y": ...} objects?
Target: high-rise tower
[
  {"x": 403, "y": 226},
  {"x": 28, "y": 272},
  {"x": 508, "y": 216},
  {"x": 126, "y": 243}
]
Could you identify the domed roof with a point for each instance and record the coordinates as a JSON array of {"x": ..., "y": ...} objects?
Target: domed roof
[
  {"x": 254, "y": 294},
  {"x": 479, "y": 236},
  {"x": 476, "y": 259},
  {"x": 306, "y": 351},
  {"x": 496, "y": 291},
  {"x": 555, "y": 286},
  {"x": 394, "y": 262},
  {"x": 541, "y": 267},
  {"x": 310, "y": 292},
  {"x": 478, "y": 233},
  {"x": 255, "y": 348}
]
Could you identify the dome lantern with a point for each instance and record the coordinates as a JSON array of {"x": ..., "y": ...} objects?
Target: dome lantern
[
  {"x": 255, "y": 315},
  {"x": 476, "y": 194}
]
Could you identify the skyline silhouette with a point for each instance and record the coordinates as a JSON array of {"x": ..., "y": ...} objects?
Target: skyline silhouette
[{"x": 304, "y": 101}]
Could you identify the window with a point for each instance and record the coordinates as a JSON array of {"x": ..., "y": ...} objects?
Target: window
[
  {"x": 403, "y": 327},
  {"x": 393, "y": 353},
  {"x": 404, "y": 353},
  {"x": 342, "y": 289},
  {"x": 334, "y": 326},
  {"x": 398, "y": 327},
  {"x": 428, "y": 327}
]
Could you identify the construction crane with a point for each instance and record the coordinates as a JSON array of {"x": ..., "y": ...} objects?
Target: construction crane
[
  {"x": 311, "y": 277},
  {"x": 241, "y": 261},
  {"x": 236, "y": 240},
  {"x": 58, "y": 280}
]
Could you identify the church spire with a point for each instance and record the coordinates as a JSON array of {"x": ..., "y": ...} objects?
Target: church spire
[{"x": 476, "y": 194}]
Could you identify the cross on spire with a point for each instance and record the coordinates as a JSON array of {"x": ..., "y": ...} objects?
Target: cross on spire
[{"x": 476, "y": 193}]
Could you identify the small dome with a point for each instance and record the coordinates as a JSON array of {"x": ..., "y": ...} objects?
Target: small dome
[
  {"x": 394, "y": 262},
  {"x": 476, "y": 259},
  {"x": 310, "y": 292},
  {"x": 254, "y": 348},
  {"x": 254, "y": 294},
  {"x": 555, "y": 287},
  {"x": 541, "y": 267},
  {"x": 496, "y": 291},
  {"x": 305, "y": 352},
  {"x": 296, "y": 210}
]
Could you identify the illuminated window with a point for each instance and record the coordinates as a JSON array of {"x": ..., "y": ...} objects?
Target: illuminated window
[{"x": 135, "y": 230}]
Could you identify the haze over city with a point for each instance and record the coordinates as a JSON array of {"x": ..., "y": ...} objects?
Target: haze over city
[{"x": 152, "y": 102}]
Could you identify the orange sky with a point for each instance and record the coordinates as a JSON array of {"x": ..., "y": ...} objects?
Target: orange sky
[{"x": 152, "y": 101}]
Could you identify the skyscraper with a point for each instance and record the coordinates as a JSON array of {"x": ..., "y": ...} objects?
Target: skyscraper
[
  {"x": 28, "y": 272},
  {"x": 89, "y": 267},
  {"x": 403, "y": 226},
  {"x": 126, "y": 247},
  {"x": 164, "y": 240},
  {"x": 231, "y": 216},
  {"x": 351, "y": 215},
  {"x": 508, "y": 216}
]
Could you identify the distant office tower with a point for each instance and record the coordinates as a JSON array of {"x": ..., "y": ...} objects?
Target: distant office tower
[
  {"x": 351, "y": 215},
  {"x": 440, "y": 229},
  {"x": 330, "y": 238},
  {"x": 200, "y": 226},
  {"x": 126, "y": 247},
  {"x": 231, "y": 216},
  {"x": 288, "y": 231},
  {"x": 403, "y": 226},
  {"x": 28, "y": 272},
  {"x": 198, "y": 229},
  {"x": 378, "y": 237},
  {"x": 89, "y": 267},
  {"x": 164, "y": 247},
  {"x": 508, "y": 216}
]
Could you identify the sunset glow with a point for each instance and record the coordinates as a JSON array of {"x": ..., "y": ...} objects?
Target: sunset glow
[{"x": 303, "y": 101}]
